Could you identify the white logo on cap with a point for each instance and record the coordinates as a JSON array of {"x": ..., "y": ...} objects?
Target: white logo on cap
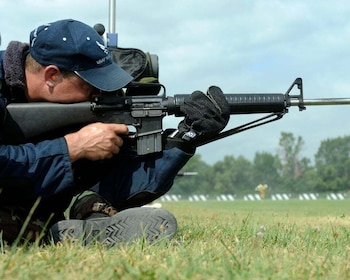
[{"x": 102, "y": 47}]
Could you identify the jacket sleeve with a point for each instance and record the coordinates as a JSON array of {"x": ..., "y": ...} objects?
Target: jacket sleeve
[
  {"x": 45, "y": 165},
  {"x": 41, "y": 169}
]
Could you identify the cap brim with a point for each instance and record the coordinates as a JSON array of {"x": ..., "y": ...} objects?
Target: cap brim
[{"x": 107, "y": 78}]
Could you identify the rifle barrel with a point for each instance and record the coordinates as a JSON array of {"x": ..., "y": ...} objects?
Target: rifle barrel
[{"x": 321, "y": 101}]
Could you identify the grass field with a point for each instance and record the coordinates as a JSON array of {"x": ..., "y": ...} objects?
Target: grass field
[{"x": 216, "y": 240}]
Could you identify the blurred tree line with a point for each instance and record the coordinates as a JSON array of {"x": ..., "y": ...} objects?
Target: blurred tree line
[{"x": 284, "y": 172}]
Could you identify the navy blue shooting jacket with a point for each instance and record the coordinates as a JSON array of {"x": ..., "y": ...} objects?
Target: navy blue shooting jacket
[{"x": 30, "y": 170}]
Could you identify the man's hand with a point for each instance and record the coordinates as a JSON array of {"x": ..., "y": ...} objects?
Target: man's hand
[{"x": 95, "y": 141}]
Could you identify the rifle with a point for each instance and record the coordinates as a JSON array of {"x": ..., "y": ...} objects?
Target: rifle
[{"x": 36, "y": 121}]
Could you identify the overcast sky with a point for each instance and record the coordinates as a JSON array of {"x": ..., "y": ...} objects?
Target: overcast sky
[{"x": 241, "y": 46}]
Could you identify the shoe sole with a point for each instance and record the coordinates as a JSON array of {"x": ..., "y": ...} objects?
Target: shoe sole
[{"x": 152, "y": 224}]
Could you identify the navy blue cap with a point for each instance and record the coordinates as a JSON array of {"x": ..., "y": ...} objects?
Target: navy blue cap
[{"x": 74, "y": 46}]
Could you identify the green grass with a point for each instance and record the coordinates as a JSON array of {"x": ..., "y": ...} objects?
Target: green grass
[{"x": 216, "y": 240}]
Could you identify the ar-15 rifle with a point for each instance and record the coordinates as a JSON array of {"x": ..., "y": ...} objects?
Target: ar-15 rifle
[{"x": 32, "y": 121}]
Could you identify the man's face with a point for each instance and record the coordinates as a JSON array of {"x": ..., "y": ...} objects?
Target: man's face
[{"x": 73, "y": 89}]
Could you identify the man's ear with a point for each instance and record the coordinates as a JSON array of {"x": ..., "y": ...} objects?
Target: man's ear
[{"x": 52, "y": 76}]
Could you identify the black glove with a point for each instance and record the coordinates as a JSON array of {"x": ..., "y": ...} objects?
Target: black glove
[{"x": 206, "y": 115}]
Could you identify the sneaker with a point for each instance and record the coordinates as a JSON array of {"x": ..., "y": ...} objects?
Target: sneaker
[
  {"x": 88, "y": 204},
  {"x": 206, "y": 115},
  {"x": 152, "y": 224}
]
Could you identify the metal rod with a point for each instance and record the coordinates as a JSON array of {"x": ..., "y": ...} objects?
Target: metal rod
[
  {"x": 112, "y": 9},
  {"x": 322, "y": 101}
]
